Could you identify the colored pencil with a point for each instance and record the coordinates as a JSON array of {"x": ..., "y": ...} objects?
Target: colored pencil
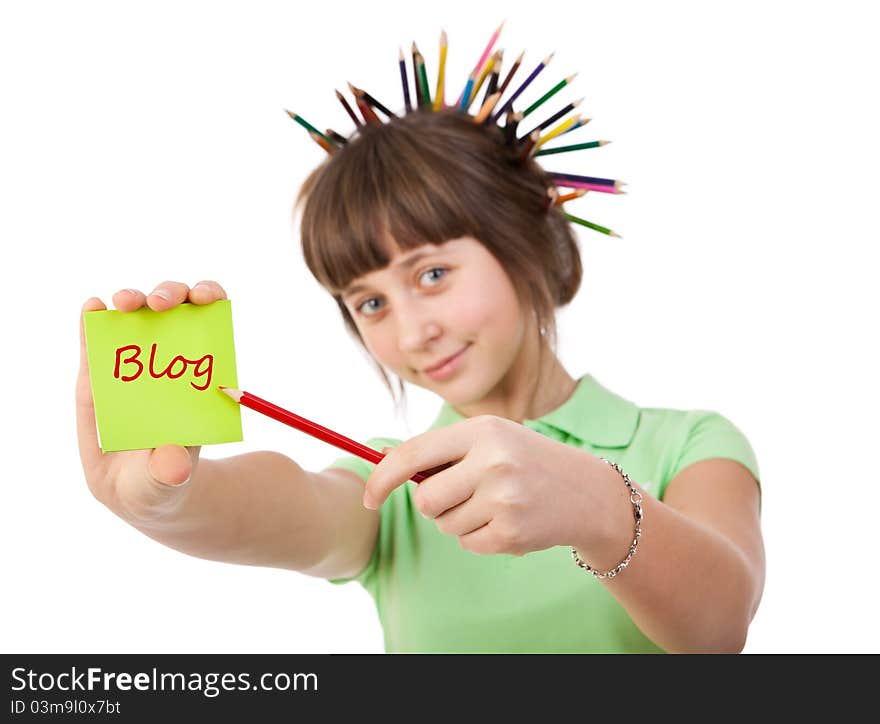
[
  {"x": 573, "y": 147},
  {"x": 549, "y": 94},
  {"x": 488, "y": 105},
  {"x": 493, "y": 79},
  {"x": 529, "y": 146},
  {"x": 338, "y": 137},
  {"x": 372, "y": 101},
  {"x": 415, "y": 67},
  {"x": 423, "y": 80},
  {"x": 559, "y": 129},
  {"x": 525, "y": 84},
  {"x": 404, "y": 81},
  {"x": 322, "y": 142},
  {"x": 305, "y": 124},
  {"x": 556, "y": 116},
  {"x": 440, "y": 94},
  {"x": 357, "y": 121},
  {"x": 511, "y": 123},
  {"x": 258, "y": 404},
  {"x": 591, "y": 225},
  {"x": 485, "y": 54},
  {"x": 511, "y": 72},
  {"x": 466, "y": 93},
  {"x": 568, "y": 197},
  {"x": 480, "y": 80}
]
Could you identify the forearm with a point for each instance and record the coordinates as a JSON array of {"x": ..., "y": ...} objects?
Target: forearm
[
  {"x": 257, "y": 509},
  {"x": 688, "y": 588}
]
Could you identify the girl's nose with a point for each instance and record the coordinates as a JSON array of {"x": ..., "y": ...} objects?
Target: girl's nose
[{"x": 416, "y": 329}]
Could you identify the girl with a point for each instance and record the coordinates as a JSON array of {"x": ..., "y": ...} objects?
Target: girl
[{"x": 447, "y": 263}]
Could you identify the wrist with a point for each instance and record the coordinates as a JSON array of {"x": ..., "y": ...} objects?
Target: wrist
[{"x": 612, "y": 541}]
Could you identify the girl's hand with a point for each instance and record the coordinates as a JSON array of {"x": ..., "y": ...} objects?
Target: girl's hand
[
  {"x": 511, "y": 489},
  {"x": 140, "y": 486}
]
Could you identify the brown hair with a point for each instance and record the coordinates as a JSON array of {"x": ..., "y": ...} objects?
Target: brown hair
[{"x": 429, "y": 177}]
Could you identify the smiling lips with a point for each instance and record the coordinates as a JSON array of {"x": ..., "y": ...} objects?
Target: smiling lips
[{"x": 444, "y": 361}]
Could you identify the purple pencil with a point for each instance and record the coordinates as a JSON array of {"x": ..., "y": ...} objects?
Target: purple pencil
[{"x": 538, "y": 69}]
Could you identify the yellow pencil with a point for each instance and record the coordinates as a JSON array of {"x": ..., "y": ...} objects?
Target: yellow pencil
[
  {"x": 440, "y": 95},
  {"x": 561, "y": 128}
]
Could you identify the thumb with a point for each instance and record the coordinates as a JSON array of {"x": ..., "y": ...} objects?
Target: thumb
[{"x": 170, "y": 465}]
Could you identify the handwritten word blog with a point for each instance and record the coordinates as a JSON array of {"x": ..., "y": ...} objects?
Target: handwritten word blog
[{"x": 169, "y": 371}]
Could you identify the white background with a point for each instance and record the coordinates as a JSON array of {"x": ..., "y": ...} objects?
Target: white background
[{"x": 147, "y": 141}]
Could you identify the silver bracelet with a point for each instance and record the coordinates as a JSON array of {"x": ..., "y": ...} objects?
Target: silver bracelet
[{"x": 635, "y": 497}]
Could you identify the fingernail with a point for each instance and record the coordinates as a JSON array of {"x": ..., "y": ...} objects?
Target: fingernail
[
  {"x": 161, "y": 293},
  {"x": 368, "y": 502},
  {"x": 204, "y": 287}
]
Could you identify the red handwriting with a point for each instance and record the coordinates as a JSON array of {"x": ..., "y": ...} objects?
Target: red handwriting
[{"x": 168, "y": 371}]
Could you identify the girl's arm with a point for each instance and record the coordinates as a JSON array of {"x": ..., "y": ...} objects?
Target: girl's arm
[
  {"x": 263, "y": 509},
  {"x": 697, "y": 577}
]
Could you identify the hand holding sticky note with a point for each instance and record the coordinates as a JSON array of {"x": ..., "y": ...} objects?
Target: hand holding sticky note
[{"x": 155, "y": 376}]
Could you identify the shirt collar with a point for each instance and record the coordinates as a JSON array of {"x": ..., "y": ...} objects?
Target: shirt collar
[{"x": 593, "y": 414}]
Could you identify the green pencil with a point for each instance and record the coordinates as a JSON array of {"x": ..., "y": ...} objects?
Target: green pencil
[
  {"x": 549, "y": 94},
  {"x": 590, "y": 225},
  {"x": 573, "y": 147}
]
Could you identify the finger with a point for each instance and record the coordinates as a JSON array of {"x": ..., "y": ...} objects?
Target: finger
[
  {"x": 445, "y": 490},
  {"x": 87, "y": 432},
  {"x": 430, "y": 449},
  {"x": 205, "y": 292},
  {"x": 465, "y": 517},
  {"x": 128, "y": 300},
  {"x": 167, "y": 295},
  {"x": 483, "y": 541}
]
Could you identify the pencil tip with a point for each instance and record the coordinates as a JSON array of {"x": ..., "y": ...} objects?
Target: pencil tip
[{"x": 615, "y": 234}]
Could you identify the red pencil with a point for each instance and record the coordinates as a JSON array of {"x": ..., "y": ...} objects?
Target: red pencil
[{"x": 312, "y": 428}]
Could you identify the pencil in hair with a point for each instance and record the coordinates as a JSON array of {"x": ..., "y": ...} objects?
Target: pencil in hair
[
  {"x": 423, "y": 80},
  {"x": 590, "y": 225},
  {"x": 559, "y": 129},
  {"x": 556, "y": 116},
  {"x": 322, "y": 142},
  {"x": 404, "y": 81},
  {"x": 574, "y": 126},
  {"x": 529, "y": 146},
  {"x": 367, "y": 112},
  {"x": 484, "y": 55},
  {"x": 466, "y": 93},
  {"x": 524, "y": 85},
  {"x": 305, "y": 124},
  {"x": 511, "y": 123},
  {"x": 493, "y": 79},
  {"x": 357, "y": 121},
  {"x": 511, "y": 72},
  {"x": 488, "y": 105},
  {"x": 416, "y": 83},
  {"x": 552, "y": 197},
  {"x": 338, "y": 137},
  {"x": 568, "y": 197},
  {"x": 549, "y": 94},
  {"x": 440, "y": 93},
  {"x": 372, "y": 101},
  {"x": 606, "y": 185},
  {"x": 480, "y": 80},
  {"x": 572, "y": 147}
]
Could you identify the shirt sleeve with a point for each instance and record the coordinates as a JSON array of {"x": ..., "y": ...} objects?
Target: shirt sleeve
[
  {"x": 363, "y": 469},
  {"x": 711, "y": 435}
]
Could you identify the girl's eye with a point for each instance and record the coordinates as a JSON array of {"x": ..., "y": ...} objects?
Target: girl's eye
[
  {"x": 434, "y": 269},
  {"x": 369, "y": 310},
  {"x": 363, "y": 306}
]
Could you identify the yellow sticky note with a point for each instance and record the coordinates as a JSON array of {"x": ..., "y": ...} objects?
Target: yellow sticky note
[{"x": 155, "y": 376}]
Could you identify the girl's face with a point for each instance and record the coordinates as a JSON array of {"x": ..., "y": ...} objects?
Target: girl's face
[{"x": 452, "y": 300}]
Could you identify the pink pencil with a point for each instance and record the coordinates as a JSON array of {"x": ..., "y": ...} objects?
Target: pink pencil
[{"x": 483, "y": 57}]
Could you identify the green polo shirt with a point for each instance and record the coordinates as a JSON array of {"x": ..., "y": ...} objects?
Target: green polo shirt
[{"x": 433, "y": 596}]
